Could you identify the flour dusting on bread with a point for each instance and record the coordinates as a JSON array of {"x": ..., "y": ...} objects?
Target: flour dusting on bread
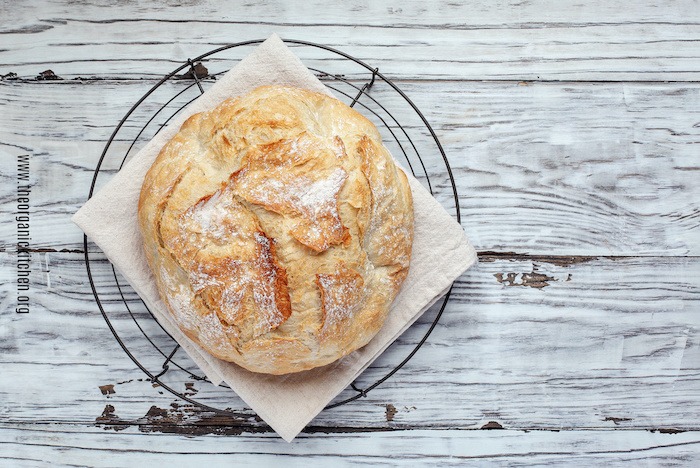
[{"x": 279, "y": 229}]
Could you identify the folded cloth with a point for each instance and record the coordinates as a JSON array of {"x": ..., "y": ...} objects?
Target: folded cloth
[{"x": 441, "y": 253}]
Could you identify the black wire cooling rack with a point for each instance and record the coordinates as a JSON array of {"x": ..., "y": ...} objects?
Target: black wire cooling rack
[{"x": 360, "y": 85}]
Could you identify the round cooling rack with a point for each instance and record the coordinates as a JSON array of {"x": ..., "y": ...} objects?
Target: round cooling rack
[{"x": 406, "y": 132}]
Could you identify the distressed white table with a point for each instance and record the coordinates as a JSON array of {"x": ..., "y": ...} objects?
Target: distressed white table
[{"x": 573, "y": 131}]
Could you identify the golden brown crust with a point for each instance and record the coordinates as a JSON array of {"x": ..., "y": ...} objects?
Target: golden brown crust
[
  {"x": 341, "y": 295},
  {"x": 278, "y": 229}
]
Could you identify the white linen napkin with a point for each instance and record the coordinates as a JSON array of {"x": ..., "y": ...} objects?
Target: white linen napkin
[{"x": 441, "y": 253}]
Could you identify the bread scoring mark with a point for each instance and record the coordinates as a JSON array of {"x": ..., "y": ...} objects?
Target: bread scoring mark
[
  {"x": 385, "y": 239},
  {"x": 163, "y": 205},
  {"x": 261, "y": 281},
  {"x": 206, "y": 327},
  {"x": 341, "y": 295},
  {"x": 312, "y": 202},
  {"x": 339, "y": 148},
  {"x": 271, "y": 294},
  {"x": 232, "y": 265},
  {"x": 284, "y": 153}
]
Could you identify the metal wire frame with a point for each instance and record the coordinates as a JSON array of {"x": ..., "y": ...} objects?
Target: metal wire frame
[
  {"x": 355, "y": 100},
  {"x": 362, "y": 91}
]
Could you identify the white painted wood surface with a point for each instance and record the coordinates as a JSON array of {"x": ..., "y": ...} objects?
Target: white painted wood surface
[
  {"x": 511, "y": 347},
  {"x": 569, "y": 169},
  {"x": 573, "y": 133},
  {"x": 43, "y": 444},
  {"x": 598, "y": 40}
]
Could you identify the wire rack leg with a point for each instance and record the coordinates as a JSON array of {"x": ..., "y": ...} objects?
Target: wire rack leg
[
  {"x": 366, "y": 87},
  {"x": 165, "y": 367},
  {"x": 361, "y": 391},
  {"x": 193, "y": 71}
]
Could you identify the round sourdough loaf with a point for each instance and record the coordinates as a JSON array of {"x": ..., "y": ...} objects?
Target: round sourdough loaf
[{"x": 278, "y": 229}]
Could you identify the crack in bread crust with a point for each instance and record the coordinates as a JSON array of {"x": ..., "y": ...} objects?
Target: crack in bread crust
[
  {"x": 245, "y": 287},
  {"x": 285, "y": 249}
]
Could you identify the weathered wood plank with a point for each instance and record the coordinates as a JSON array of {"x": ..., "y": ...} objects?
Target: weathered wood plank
[
  {"x": 530, "y": 345},
  {"x": 439, "y": 14},
  {"x": 571, "y": 169},
  {"x": 545, "y": 40},
  {"x": 542, "y": 343},
  {"x": 49, "y": 445}
]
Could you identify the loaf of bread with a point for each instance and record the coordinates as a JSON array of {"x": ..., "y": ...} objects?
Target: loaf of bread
[{"x": 278, "y": 229}]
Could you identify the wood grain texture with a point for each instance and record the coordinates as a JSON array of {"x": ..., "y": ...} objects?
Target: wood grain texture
[
  {"x": 572, "y": 129},
  {"x": 569, "y": 169},
  {"x": 512, "y": 40},
  {"x": 517, "y": 340},
  {"x": 52, "y": 444}
]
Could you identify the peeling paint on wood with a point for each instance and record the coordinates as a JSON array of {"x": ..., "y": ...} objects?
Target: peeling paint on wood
[
  {"x": 669, "y": 430},
  {"x": 573, "y": 139},
  {"x": 624, "y": 342},
  {"x": 598, "y": 40},
  {"x": 107, "y": 389},
  {"x": 492, "y": 425},
  {"x": 648, "y": 207},
  {"x": 48, "y": 75},
  {"x": 559, "y": 260},
  {"x": 199, "y": 71},
  {"x": 390, "y": 412},
  {"x": 180, "y": 419},
  {"x": 533, "y": 279},
  {"x": 615, "y": 420}
]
